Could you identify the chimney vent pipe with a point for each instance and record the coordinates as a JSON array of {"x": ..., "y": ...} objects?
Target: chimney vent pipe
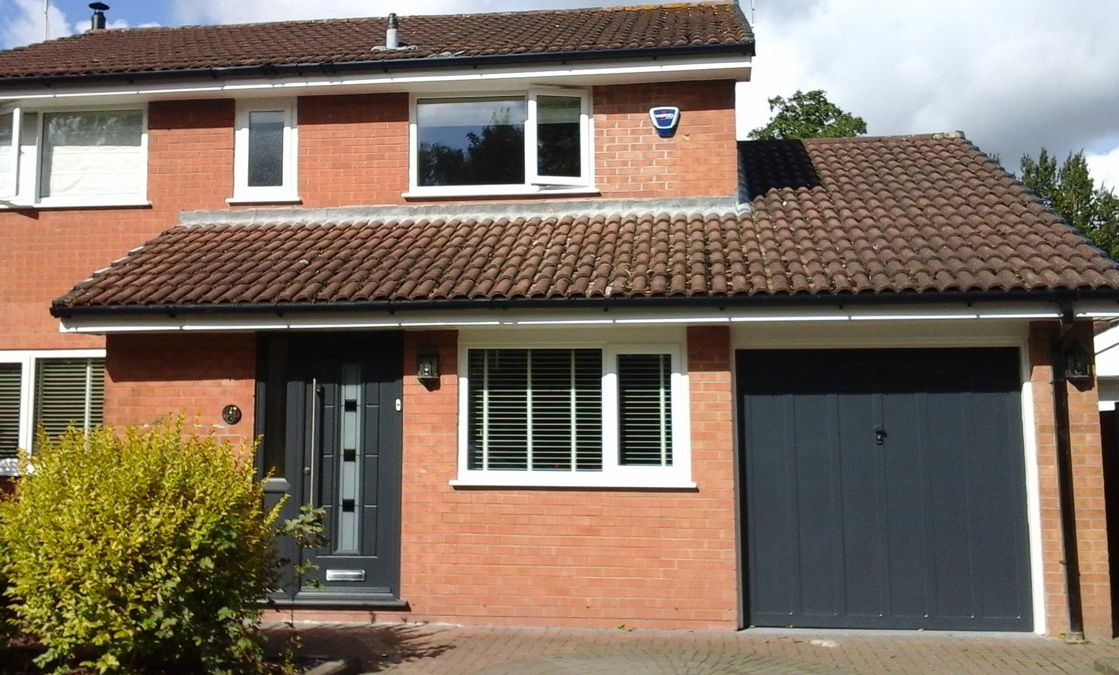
[
  {"x": 392, "y": 41},
  {"x": 97, "y": 20}
]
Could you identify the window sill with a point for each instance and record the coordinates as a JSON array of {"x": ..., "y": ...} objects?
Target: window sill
[
  {"x": 86, "y": 204},
  {"x": 286, "y": 199},
  {"x": 583, "y": 481},
  {"x": 496, "y": 191}
]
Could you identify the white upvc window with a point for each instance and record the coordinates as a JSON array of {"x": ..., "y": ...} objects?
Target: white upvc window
[
  {"x": 49, "y": 390},
  {"x": 266, "y": 151},
  {"x": 73, "y": 157},
  {"x": 9, "y": 152},
  {"x": 502, "y": 143},
  {"x": 574, "y": 416}
]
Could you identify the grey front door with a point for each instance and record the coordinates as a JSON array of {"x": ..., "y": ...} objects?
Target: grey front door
[
  {"x": 341, "y": 452},
  {"x": 884, "y": 488}
]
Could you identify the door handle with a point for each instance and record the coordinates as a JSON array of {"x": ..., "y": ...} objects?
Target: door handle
[
  {"x": 879, "y": 435},
  {"x": 309, "y": 471}
]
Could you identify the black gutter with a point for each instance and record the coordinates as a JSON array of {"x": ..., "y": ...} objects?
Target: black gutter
[
  {"x": 1064, "y": 475},
  {"x": 385, "y": 65},
  {"x": 726, "y": 302}
]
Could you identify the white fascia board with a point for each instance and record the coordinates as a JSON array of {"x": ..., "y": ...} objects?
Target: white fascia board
[
  {"x": 571, "y": 74},
  {"x": 496, "y": 318}
]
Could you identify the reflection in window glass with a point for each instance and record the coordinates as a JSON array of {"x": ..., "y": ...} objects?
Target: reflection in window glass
[
  {"x": 472, "y": 141},
  {"x": 557, "y": 136},
  {"x": 92, "y": 153},
  {"x": 266, "y": 148},
  {"x": 7, "y": 180}
]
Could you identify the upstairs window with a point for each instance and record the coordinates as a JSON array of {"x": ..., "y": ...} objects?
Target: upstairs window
[
  {"x": 73, "y": 158},
  {"x": 504, "y": 143},
  {"x": 9, "y": 153},
  {"x": 265, "y": 152},
  {"x": 88, "y": 154}
]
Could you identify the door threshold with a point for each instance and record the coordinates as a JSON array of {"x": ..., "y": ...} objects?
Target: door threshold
[
  {"x": 890, "y": 632},
  {"x": 341, "y": 601}
]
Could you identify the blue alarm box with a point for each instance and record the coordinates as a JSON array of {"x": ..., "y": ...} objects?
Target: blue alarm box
[{"x": 665, "y": 118}]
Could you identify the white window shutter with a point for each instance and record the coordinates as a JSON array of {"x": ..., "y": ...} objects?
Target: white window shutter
[
  {"x": 92, "y": 154},
  {"x": 645, "y": 409},
  {"x": 68, "y": 391},
  {"x": 10, "y": 384},
  {"x": 535, "y": 409}
]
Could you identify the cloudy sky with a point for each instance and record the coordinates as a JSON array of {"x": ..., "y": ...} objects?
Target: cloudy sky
[{"x": 1014, "y": 75}]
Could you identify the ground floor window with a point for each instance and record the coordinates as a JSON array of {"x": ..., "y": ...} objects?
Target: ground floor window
[
  {"x": 49, "y": 391},
  {"x": 574, "y": 416}
]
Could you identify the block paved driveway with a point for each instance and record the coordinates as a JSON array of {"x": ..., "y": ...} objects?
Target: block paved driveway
[{"x": 463, "y": 650}]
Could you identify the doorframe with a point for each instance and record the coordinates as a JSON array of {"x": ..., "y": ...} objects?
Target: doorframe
[
  {"x": 326, "y": 599},
  {"x": 898, "y": 335}
]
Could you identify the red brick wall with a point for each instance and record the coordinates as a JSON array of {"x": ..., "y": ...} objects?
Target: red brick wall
[
  {"x": 569, "y": 557},
  {"x": 1088, "y": 492},
  {"x": 190, "y": 156},
  {"x": 632, "y": 161},
  {"x": 353, "y": 150},
  {"x": 150, "y": 376}
]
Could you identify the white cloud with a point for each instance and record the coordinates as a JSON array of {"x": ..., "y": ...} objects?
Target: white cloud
[
  {"x": 21, "y": 22},
  {"x": 1015, "y": 75},
  {"x": 83, "y": 26},
  {"x": 1104, "y": 168}
]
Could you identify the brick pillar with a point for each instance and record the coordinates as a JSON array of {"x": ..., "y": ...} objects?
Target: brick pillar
[
  {"x": 1088, "y": 490},
  {"x": 430, "y": 461},
  {"x": 710, "y": 362}
]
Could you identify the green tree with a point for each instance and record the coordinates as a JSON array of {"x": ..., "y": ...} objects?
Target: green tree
[
  {"x": 808, "y": 115},
  {"x": 1070, "y": 190}
]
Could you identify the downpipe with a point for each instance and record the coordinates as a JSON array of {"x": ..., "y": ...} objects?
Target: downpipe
[{"x": 1071, "y": 560}]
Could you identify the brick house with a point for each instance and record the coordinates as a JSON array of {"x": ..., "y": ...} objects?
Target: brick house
[{"x": 543, "y": 363}]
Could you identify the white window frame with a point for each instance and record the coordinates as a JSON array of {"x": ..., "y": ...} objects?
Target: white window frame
[
  {"x": 11, "y": 189},
  {"x": 27, "y": 166},
  {"x": 534, "y": 183},
  {"x": 613, "y": 474},
  {"x": 28, "y": 360},
  {"x": 532, "y": 127},
  {"x": 288, "y": 191}
]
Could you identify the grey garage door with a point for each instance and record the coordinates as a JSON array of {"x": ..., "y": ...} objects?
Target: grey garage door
[{"x": 884, "y": 488}]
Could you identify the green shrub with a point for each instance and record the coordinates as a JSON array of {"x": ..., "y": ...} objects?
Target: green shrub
[
  {"x": 144, "y": 552},
  {"x": 7, "y": 621}
]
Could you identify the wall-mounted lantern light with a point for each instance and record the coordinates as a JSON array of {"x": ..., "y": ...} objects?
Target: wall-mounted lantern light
[
  {"x": 427, "y": 367},
  {"x": 1078, "y": 363}
]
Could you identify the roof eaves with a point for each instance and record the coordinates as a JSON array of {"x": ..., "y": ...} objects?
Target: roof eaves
[
  {"x": 889, "y": 299},
  {"x": 386, "y": 65}
]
